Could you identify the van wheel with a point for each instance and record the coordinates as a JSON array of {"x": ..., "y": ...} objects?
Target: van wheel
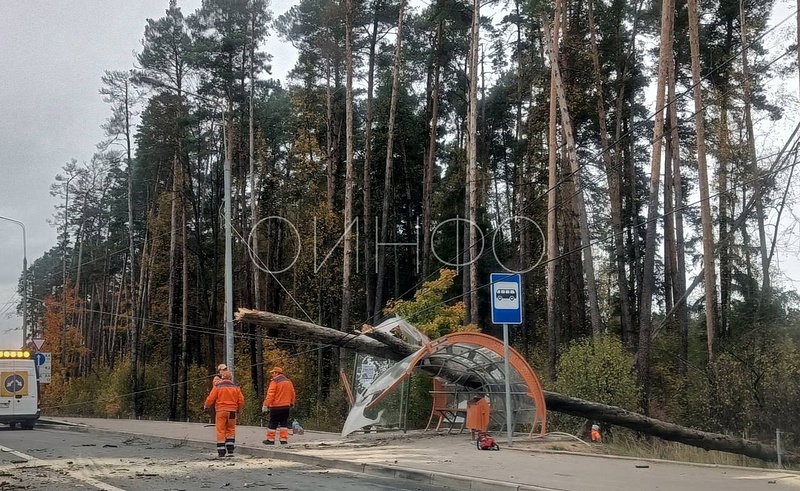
[
  {"x": 13, "y": 426},
  {"x": 28, "y": 425}
]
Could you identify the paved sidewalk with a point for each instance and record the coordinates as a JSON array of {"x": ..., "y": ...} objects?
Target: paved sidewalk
[{"x": 453, "y": 461}]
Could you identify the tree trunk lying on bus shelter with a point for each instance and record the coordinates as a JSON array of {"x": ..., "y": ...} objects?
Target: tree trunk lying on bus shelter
[{"x": 392, "y": 348}]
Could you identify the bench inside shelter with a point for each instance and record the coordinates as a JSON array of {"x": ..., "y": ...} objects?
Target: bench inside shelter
[{"x": 449, "y": 407}]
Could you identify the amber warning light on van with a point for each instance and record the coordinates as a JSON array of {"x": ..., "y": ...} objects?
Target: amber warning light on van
[{"x": 15, "y": 354}]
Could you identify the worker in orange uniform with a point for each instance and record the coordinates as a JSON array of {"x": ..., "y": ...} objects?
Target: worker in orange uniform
[
  {"x": 279, "y": 401},
  {"x": 595, "y": 435},
  {"x": 217, "y": 379},
  {"x": 477, "y": 415},
  {"x": 218, "y": 376},
  {"x": 227, "y": 400}
]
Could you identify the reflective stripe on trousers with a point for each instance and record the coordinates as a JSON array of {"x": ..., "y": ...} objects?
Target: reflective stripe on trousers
[
  {"x": 282, "y": 432},
  {"x": 226, "y": 426}
]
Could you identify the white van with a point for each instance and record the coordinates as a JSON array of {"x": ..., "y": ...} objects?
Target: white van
[{"x": 19, "y": 389}]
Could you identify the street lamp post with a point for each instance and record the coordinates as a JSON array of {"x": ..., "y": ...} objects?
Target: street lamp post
[
  {"x": 24, "y": 279},
  {"x": 228, "y": 232}
]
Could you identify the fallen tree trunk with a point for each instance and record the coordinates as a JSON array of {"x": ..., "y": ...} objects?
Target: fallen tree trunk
[
  {"x": 307, "y": 330},
  {"x": 662, "y": 429},
  {"x": 393, "y": 343},
  {"x": 397, "y": 349}
]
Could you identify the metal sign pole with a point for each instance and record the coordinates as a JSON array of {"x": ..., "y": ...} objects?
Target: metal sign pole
[
  {"x": 507, "y": 308},
  {"x": 509, "y": 412}
]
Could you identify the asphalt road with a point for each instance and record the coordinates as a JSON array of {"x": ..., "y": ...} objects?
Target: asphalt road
[{"x": 57, "y": 460}]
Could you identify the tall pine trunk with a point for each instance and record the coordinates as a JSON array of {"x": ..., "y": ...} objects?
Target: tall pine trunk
[
  {"x": 348, "y": 184},
  {"x": 724, "y": 164},
  {"x": 369, "y": 276},
  {"x": 257, "y": 345},
  {"x": 171, "y": 332},
  {"x": 389, "y": 169},
  {"x": 648, "y": 273},
  {"x": 134, "y": 322},
  {"x": 578, "y": 198},
  {"x": 613, "y": 177},
  {"x": 184, "y": 315},
  {"x": 430, "y": 155},
  {"x": 330, "y": 149},
  {"x": 766, "y": 284},
  {"x": 679, "y": 284},
  {"x": 702, "y": 172},
  {"x": 472, "y": 160},
  {"x": 552, "y": 186}
]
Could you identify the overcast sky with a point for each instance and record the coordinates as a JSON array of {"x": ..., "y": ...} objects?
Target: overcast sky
[{"x": 52, "y": 55}]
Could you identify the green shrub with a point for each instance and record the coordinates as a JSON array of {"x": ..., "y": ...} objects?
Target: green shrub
[
  {"x": 753, "y": 388},
  {"x": 598, "y": 371},
  {"x": 199, "y": 385},
  {"x": 328, "y": 414},
  {"x": 114, "y": 396},
  {"x": 81, "y": 397}
]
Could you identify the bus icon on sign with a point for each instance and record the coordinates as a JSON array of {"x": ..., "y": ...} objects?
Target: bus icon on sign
[
  {"x": 506, "y": 298},
  {"x": 506, "y": 294}
]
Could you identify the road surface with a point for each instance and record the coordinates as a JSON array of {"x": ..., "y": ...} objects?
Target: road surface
[{"x": 57, "y": 460}]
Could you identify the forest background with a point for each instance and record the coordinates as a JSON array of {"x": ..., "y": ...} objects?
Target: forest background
[{"x": 611, "y": 150}]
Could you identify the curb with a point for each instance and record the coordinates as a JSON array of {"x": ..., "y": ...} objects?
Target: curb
[
  {"x": 657, "y": 461},
  {"x": 57, "y": 423},
  {"x": 442, "y": 479}
]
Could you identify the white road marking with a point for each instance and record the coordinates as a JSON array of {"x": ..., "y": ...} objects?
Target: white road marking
[
  {"x": 79, "y": 475},
  {"x": 17, "y": 453}
]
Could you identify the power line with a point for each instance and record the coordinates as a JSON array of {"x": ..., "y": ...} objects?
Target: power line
[
  {"x": 581, "y": 166},
  {"x": 601, "y": 152}
]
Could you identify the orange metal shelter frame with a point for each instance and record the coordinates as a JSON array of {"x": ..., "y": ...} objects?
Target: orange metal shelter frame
[{"x": 516, "y": 361}]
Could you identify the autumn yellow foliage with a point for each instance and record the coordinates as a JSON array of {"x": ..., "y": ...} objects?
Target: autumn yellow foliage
[{"x": 430, "y": 311}]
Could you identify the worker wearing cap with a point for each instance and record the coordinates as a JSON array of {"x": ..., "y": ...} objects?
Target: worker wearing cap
[
  {"x": 227, "y": 399},
  {"x": 595, "y": 435},
  {"x": 279, "y": 401},
  {"x": 218, "y": 375}
]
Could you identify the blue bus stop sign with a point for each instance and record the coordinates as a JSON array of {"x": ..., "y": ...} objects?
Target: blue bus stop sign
[{"x": 506, "y": 298}]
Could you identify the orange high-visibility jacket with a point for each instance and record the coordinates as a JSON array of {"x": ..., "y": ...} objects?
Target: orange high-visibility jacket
[
  {"x": 225, "y": 396},
  {"x": 280, "y": 393}
]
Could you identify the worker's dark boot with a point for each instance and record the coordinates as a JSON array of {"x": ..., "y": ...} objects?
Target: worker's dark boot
[
  {"x": 230, "y": 445},
  {"x": 221, "y": 449},
  {"x": 268, "y": 442}
]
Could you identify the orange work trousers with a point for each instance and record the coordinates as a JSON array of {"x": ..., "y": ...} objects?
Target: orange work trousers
[{"x": 226, "y": 426}]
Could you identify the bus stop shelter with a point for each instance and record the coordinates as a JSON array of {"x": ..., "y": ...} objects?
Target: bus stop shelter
[{"x": 462, "y": 365}]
